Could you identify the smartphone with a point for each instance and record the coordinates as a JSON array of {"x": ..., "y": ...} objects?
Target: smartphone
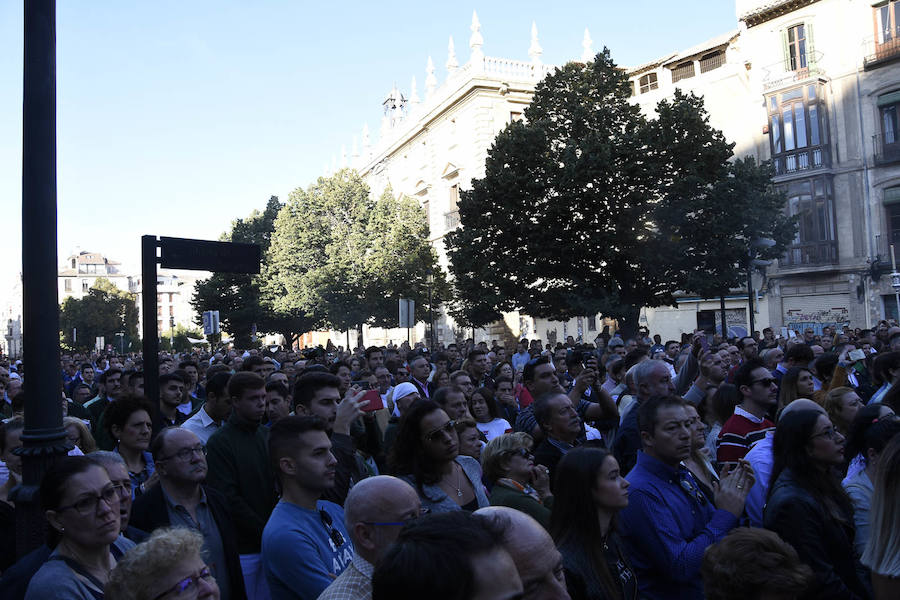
[
  {"x": 374, "y": 399},
  {"x": 361, "y": 384},
  {"x": 857, "y": 354}
]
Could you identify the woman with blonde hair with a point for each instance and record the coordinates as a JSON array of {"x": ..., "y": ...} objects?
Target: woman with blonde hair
[
  {"x": 168, "y": 564},
  {"x": 517, "y": 482},
  {"x": 882, "y": 554},
  {"x": 79, "y": 434},
  {"x": 842, "y": 404}
]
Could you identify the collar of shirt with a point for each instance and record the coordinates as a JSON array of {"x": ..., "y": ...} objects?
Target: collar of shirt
[
  {"x": 658, "y": 468},
  {"x": 204, "y": 417},
  {"x": 564, "y": 447},
  {"x": 171, "y": 503},
  {"x": 363, "y": 566},
  {"x": 750, "y": 417}
]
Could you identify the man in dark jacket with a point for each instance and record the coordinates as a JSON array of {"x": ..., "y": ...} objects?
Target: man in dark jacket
[
  {"x": 180, "y": 500},
  {"x": 239, "y": 468}
]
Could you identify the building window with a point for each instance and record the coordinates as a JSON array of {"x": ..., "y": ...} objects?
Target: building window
[
  {"x": 85, "y": 285},
  {"x": 886, "y": 21},
  {"x": 887, "y": 143},
  {"x": 796, "y": 46},
  {"x": 798, "y": 130},
  {"x": 683, "y": 71},
  {"x": 73, "y": 263},
  {"x": 891, "y": 201},
  {"x": 426, "y": 206},
  {"x": 170, "y": 297},
  {"x": 516, "y": 116},
  {"x": 592, "y": 323},
  {"x": 171, "y": 310},
  {"x": 711, "y": 61},
  {"x": 815, "y": 242},
  {"x": 648, "y": 82},
  {"x": 158, "y": 310},
  {"x": 452, "y": 216},
  {"x": 67, "y": 285}
]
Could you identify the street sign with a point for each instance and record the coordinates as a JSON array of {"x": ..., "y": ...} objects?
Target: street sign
[
  {"x": 407, "y": 313},
  {"x": 204, "y": 255},
  {"x": 211, "y": 322}
]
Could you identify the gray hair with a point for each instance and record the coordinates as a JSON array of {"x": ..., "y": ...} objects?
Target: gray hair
[
  {"x": 644, "y": 369},
  {"x": 105, "y": 457}
]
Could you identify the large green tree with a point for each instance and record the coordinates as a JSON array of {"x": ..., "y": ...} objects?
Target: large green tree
[
  {"x": 103, "y": 312},
  {"x": 591, "y": 207},
  {"x": 345, "y": 259},
  {"x": 237, "y": 296}
]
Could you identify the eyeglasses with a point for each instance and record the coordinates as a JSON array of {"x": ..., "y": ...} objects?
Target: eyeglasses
[
  {"x": 336, "y": 538},
  {"x": 422, "y": 513},
  {"x": 187, "y": 587},
  {"x": 124, "y": 489},
  {"x": 766, "y": 381},
  {"x": 523, "y": 452},
  {"x": 87, "y": 506},
  {"x": 830, "y": 433},
  {"x": 446, "y": 428},
  {"x": 186, "y": 453}
]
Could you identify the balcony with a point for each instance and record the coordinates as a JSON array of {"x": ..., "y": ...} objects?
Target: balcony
[
  {"x": 810, "y": 254},
  {"x": 881, "y": 49},
  {"x": 885, "y": 154},
  {"x": 804, "y": 159},
  {"x": 777, "y": 76},
  {"x": 451, "y": 220}
]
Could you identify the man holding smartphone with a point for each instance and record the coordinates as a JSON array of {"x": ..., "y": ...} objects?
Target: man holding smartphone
[{"x": 318, "y": 394}]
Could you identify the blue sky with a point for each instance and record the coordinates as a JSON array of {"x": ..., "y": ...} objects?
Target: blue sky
[{"x": 174, "y": 117}]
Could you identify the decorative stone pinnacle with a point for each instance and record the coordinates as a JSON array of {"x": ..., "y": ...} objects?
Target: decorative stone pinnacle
[
  {"x": 535, "y": 50},
  {"x": 587, "y": 43},
  {"x": 476, "y": 41},
  {"x": 452, "y": 63}
]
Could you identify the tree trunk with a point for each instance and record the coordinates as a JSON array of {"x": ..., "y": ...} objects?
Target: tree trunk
[{"x": 628, "y": 324}]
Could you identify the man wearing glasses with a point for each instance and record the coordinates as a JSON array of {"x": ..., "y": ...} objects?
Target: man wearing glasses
[
  {"x": 305, "y": 544},
  {"x": 376, "y": 510},
  {"x": 181, "y": 500},
  {"x": 748, "y": 425}
]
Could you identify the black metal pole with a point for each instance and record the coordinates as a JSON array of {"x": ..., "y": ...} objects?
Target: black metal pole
[
  {"x": 724, "y": 321},
  {"x": 44, "y": 439},
  {"x": 750, "y": 299},
  {"x": 430, "y": 320},
  {"x": 148, "y": 316}
]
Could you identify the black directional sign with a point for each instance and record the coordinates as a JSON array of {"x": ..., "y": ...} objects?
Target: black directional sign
[{"x": 203, "y": 255}]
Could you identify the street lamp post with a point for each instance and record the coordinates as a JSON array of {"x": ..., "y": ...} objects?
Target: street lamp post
[
  {"x": 752, "y": 261},
  {"x": 430, "y": 281},
  {"x": 895, "y": 280}
]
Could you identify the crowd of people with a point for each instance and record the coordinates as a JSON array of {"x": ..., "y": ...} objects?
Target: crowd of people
[{"x": 749, "y": 468}]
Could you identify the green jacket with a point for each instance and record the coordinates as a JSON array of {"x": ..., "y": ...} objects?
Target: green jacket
[
  {"x": 238, "y": 459},
  {"x": 504, "y": 496}
]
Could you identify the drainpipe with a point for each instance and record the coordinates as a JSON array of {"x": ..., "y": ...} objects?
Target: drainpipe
[{"x": 866, "y": 194}]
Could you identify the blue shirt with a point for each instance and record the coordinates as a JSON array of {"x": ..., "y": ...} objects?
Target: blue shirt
[
  {"x": 301, "y": 559},
  {"x": 666, "y": 529},
  {"x": 761, "y": 459}
]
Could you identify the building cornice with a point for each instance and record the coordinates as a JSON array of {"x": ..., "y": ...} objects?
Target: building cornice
[{"x": 766, "y": 11}]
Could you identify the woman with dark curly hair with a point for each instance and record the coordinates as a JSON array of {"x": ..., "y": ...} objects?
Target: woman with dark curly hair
[
  {"x": 128, "y": 422},
  {"x": 590, "y": 491},
  {"x": 808, "y": 507},
  {"x": 426, "y": 454}
]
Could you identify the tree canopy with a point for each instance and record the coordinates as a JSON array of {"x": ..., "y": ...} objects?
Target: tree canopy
[
  {"x": 345, "y": 259},
  {"x": 590, "y": 207},
  {"x": 103, "y": 312}
]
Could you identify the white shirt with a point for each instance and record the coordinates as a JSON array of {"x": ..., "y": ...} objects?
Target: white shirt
[
  {"x": 495, "y": 428},
  {"x": 201, "y": 424}
]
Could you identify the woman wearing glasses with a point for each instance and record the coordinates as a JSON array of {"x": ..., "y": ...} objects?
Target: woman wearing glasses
[
  {"x": 127, "y": 420},
  {"x": 167, "y": 565},
  {"x": 808, "y": 507},
  {"x": 517, "y": 482},
  {"x": 82, "y": 510},
  {"x": 426, "y": 454}
]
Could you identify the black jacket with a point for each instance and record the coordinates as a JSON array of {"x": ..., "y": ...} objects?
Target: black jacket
[
  {"x": 149, "y": 512},
  {"x": 822, "y": 542}
]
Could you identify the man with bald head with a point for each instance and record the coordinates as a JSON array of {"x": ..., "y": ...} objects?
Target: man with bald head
[
  {"x": 537, "y": 560},
  {"x": 760, "y": 458},
  {"x": 376, "y": 510}
]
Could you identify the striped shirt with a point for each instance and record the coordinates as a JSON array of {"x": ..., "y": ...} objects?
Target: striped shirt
[{"x": 739, "y": 434}]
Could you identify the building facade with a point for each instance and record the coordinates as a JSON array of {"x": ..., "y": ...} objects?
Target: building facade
[
  {"x": 81, "y": 270},
  {"x": 812, "y": 85}
]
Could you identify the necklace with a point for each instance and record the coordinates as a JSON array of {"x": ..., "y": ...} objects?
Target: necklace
[{"x": 458, "y": 486}]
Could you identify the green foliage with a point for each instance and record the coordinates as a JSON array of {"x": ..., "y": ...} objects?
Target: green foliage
[
  {"x": 103, "y": 312},
  {"x": 237, "y": 297},
  {"x": 590, "y": 207},
  {"x": 344, "y": 259},
  {"x": 181, "y": 335}
]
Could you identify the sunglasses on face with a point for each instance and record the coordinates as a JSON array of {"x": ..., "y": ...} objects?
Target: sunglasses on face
[
  {"x": 523, "y": 452},
  {"x": 766, "y": 381},
  {"x": 446, "y": 428}
]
